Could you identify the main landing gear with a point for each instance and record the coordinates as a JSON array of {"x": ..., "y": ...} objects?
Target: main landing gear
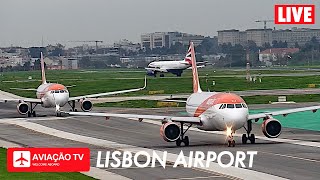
[
  {"x": 72, "y": 105},
  {"x": 31, "y": 112},
  {"x": 248, "y": 136},
  {"x": 182, "y": 138}
]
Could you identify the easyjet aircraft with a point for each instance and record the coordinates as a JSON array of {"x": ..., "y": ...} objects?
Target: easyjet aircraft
[
  {"x": 57, "y": 95},
  {"x": 211, "y": 111}
]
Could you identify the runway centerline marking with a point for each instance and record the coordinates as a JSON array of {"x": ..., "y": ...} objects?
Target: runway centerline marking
[{"x": 199, "y": 177}]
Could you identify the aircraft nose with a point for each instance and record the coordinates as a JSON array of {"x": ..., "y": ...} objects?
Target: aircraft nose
[
  {"x": 61, "y": 99},
  {"x": 236, "y": 119}
]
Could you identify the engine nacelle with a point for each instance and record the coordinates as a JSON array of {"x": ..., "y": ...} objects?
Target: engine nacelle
[
  {"x": 151, "y": 73},
  {"x": 271, "y": 128},
  {"x": 170, "y": 131},
  {"x": 86, "y": 105},
  {"x": 23, "y": 108}
]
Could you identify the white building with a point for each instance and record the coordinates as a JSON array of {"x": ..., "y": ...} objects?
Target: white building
[
  {"x": 259, "y": 36},
  {"x": 167, "y": 39},
  {"x": 263, "y": 36},
  {"x": 229, "y": 36},
  {"x": 295, "y": 35}
]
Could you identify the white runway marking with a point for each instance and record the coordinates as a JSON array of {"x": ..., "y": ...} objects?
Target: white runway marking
[
  {"x": 200, "y": 177},
  {"x": 213, "y": 167}
]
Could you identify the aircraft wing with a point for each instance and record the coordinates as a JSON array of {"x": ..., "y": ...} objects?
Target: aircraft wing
[
  {"x": 22, "y": 89},
  {"x": 283, "y": 112},
  {"x": 194, "y": 120},
  {"x": 31, "y": 100},
  {"x": 173, "y": 100},
  {"x": 109, "y": 93},
  {"x": 22, "y": 159},
  {"x": 156, "y": 69}
]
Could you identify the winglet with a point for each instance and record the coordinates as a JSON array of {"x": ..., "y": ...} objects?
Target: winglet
[
  {"x": 196, "y": 84},
  {"x": 43, "y": 74}
]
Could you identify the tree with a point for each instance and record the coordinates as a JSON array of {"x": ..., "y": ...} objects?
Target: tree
[
  {"x": 26, "y": 66},
  {"x": 37, "y": 65},
  {"x": 34, "y": 52},
  {"x": 252, "y": 46},
  {"x": 84, "y": 62},
  {"x": 208, "y": 46},
  {"x": 280, "y": 44}
]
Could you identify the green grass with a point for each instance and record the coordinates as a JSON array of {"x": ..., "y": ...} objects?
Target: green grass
[
  {"x": 134, "y": 104},
  {"x": 295, "y": 98},
  {"x": 4, "y": 174},
  {"x": 248, "y": 99},
  {"x": 88, "y": 82}
]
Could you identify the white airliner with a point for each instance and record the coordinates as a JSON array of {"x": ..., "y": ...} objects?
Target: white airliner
[
  {"x": 174, "y": 67},
  {"x": 211, "y": 111},
  {"x": 57, "y": 95}
]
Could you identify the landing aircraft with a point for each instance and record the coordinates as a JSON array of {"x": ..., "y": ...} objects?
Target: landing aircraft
[
  {"x": 174, "y": 67},
  {"x": 57, "y": 95},
  {"x": 211, "y": 111}
]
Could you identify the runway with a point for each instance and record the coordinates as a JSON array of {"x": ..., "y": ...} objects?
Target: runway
[{"x": 282, "y": 158}]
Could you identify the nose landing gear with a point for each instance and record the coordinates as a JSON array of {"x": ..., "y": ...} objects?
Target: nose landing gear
[{"x": 231, "y": 141}]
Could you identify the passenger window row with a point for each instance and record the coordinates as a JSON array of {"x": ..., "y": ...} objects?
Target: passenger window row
[{"x": 231, "y": 106}]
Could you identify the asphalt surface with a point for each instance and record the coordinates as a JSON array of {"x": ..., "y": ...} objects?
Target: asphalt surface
[{"x": 281, "y": 159}]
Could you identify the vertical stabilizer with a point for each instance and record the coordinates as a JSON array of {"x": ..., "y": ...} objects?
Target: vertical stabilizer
[
  {"x": 196, "y": 84},
  {"x": 43, "y": 74},
  {"x": 187, "y": 59}
]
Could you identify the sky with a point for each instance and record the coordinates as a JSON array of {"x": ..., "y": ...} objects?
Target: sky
[{"x": 26, "y": 22}]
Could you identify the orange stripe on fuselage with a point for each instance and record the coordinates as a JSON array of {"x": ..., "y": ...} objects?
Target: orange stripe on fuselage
[
  {"x": 50, "y": 87},
  {"x": 56, "y": 87},
  {"x": 220, "y": 98}
]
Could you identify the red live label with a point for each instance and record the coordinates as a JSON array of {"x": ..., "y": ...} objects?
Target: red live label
[
  {"x": 48, "y": 159},
  {"x": 294, "y": 14}
]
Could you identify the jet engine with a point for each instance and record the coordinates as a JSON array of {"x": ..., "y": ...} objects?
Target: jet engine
[
  {"x": 23, "y": 108},
  {"x": 170, "y": 131},
  {"x": 271, "y": 128},
  {"x": 86, "y": 105},
  {"x": 151, "y": 73}
]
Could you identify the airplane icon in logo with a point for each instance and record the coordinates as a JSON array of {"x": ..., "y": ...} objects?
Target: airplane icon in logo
[{"x": 21, "y": 159}]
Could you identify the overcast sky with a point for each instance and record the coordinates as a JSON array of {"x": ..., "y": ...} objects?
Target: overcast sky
[{"x": 25, "y": 22}]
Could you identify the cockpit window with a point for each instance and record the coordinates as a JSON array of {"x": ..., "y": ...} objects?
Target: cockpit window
[
  {"x": 222, "y": 106},
  {"x": 230, "y": 106},
  {"x": 56, "y": 91},
  {"x": 244, "y": 105},
  {"x": 61, "y": 91},
  {"x": 238, "y": 106}
]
